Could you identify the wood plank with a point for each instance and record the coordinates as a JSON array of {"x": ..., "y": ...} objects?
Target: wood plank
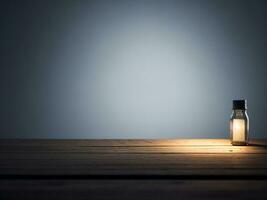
[
  {"x": 111, "y": 157},
  {"x": 136, "y": 146},
  {"x": 132, "y": 189},
  {"x": 132, "y": 169},
  {"x": 139, "y": 150},
  {"x": 123, "y": 142}
]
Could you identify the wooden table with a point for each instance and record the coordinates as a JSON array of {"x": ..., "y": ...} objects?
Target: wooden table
[{"x": 132, "y": 169}]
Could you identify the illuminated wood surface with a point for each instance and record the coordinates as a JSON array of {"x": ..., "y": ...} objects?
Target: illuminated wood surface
[{"x": 102, "y": 168}]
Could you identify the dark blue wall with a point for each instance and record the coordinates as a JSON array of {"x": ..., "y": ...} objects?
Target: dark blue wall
[{"x": 131, "y": 69}]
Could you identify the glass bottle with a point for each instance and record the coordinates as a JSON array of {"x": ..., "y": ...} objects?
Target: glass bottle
[{"x": 239, "y": 123}]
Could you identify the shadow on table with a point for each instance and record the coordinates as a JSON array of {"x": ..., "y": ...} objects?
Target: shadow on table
[{"x": 257, "y": 144}]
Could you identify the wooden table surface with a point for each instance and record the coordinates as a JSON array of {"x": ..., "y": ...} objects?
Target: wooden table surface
[{"x": 132, "y": 169}]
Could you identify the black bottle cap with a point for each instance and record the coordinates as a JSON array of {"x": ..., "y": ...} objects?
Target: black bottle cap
[{"x": 240, "y": 104}]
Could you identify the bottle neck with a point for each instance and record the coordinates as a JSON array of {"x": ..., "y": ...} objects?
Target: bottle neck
[{"x": 239, "y": 113}]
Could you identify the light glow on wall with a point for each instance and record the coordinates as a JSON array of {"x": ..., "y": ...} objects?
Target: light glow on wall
[{"x": 131, "y": 68}]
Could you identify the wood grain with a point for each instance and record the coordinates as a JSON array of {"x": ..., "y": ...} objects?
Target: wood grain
[
  {"x": 124, "y": 157},
  {"x": 132, "y": 169}
]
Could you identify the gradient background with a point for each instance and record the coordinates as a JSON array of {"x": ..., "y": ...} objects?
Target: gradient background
[{"x": 131, "y": 69}]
